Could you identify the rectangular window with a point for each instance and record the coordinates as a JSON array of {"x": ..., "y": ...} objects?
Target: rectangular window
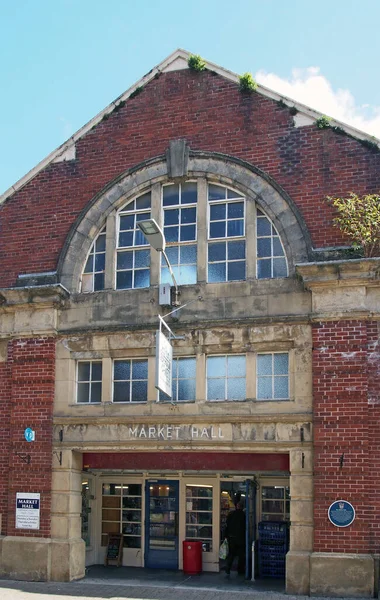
[
  {"x": 183, "y": 381},
  {"x": 199, "y": 514},
  {"x": 226, "y": 231},
  {"x": 180, "y": 230},
  {"x": 130, "y": 380},
  {"x": 226, "y": 377},
  {"x": 273, "y": 376},
  {"x": 121, "y": 513},
  {"x": 275, "y": 503},
  {"x": 89, "y": 382}
]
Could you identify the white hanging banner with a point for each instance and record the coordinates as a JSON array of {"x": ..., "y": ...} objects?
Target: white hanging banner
[{"x": 164, "y": 357}]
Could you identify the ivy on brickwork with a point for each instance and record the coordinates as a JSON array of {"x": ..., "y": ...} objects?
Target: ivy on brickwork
[
  {"x": 247, "y": 84},
  {"x": 196, "y": 63},
  {"x": 359, "y": 219}
]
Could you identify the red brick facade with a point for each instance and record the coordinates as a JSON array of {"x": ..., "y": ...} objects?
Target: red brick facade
[{"x": 27, "y": 388}]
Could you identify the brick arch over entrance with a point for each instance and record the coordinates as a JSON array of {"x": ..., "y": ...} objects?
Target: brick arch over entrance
[{"x": 218, "y": 168}]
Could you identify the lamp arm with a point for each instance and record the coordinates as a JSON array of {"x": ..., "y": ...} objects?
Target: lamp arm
[{"x": 170, "y": 270}]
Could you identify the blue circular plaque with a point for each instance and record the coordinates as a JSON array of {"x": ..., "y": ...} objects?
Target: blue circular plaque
[
  {"x": 341, "y": 513},
  {"x": 29, "y": 434}
]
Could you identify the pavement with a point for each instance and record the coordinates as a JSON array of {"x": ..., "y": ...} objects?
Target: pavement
[{"x": 147, "y": 584}]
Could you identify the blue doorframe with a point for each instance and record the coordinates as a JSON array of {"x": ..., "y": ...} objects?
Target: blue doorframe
[
  {"x": 250, "y": 524},
  {"x": 161, "y": 524}
]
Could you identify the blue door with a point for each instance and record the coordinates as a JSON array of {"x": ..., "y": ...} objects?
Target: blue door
[{"x": 161, "y": 524}]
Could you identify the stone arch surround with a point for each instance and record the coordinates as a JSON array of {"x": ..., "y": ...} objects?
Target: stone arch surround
[{"x": 218, "y": 168}]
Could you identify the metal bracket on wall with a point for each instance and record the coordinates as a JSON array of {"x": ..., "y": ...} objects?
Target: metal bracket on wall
[{"x": 26, "y": 458}]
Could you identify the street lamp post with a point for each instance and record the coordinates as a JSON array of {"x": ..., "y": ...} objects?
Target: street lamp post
[{"x": 155, "y": 237}]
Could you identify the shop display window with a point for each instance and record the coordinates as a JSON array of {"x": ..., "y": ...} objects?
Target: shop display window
[
  {"x": 121, "y": 512},
  {"x": 199, "y": 505},
  {"x": 275, "y": 503}
]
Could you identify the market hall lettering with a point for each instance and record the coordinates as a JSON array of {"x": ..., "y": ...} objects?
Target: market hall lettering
[{"x": 175, "y": 432}]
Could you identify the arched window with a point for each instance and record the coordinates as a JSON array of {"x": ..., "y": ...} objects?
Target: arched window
[
  {"x": 132, "y": 259},
  {"x": 94, "y": 270},
  {"x": 271, "y": 260}
]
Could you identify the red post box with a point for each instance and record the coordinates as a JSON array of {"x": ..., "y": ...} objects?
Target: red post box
[{"x": 192, "y": 557}]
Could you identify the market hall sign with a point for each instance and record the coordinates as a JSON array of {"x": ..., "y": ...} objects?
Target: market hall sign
[
  {"x": 175, "y": 432},
  {"x": 341, "y": 513},
  {"x": 27, "y": 510}
]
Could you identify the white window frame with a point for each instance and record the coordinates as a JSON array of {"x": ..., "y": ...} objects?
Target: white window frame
[
  {"x": 226, "y": 378},
  {"x": 272, "y": 377},
  {"x": 93, "y": 272},
  {"x": 129, "y": 382},
  {"x": 89, "y": 381}
]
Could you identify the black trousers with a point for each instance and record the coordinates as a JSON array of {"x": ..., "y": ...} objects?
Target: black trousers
[{"x": 235, "y": 548}]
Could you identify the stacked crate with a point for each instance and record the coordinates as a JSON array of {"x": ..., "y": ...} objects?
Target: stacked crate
[{"x": 273, "y": 546}]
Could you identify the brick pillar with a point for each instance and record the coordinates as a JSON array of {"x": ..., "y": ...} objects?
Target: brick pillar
[{"x": 5, "y": 435}]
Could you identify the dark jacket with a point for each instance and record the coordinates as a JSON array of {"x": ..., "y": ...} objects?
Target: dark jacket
[{"x": 235, "y": 527}]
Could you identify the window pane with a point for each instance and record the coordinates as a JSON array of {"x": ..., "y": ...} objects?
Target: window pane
[
  {"x": 264, "y": 364},
  {"x": 187, "y": 275},
  {"x": 277, "y": 247},
  {"x": 216, "y": 192},
  {"x": 171, "y": 234},
  {"x": 172, "y": 254},
  {"x": 217, "y": 252},
  {"x": 100, "y": 243},
  {"x": 216, "y": 272},
  {"x": 124, "y": 280},
  {"x": 236, "y": 250},
  {"x": 96, "y": 392},
  {"x": 264, "y": 247},
  {"x": 263, "y": 226},
  {"x": 215, "y": 389},
  {"x": 96, "y": 371},
  {"x": 84, "y": 371},
  {"x": 142, "y": 217},
  {"x": 218, "y": 229},
  {"x": 139, "y": 391},
  {"x": 235, "y": 228},
  {"x": 189, "y": 192},
  {"x": 188, "y": 254},
  {"x": 281, "y": 363},
  {"x": 216, "y": 366},
  {"x": 236, "y": 210},
  {"x": 236, "y": 389},
  {"x": 142, "y": 258},
  {"x": 125, "y": 239},
  {"x": 122, "y": 369},
  {"x": 236, "y": 366},
  {"x": 98, "y": 281},
  {"x": 186, "y": 389},
  {"x": 236, "y": 271},
  {"x": 279, "y": 267},
  {"x": 217, "y": 212},
  {"x": 187, "y": 233},
  {"x": 89, "y": 264},
  {"x": 264, "y": 269},
  {"x": 127, "y": 222},
  {"x": 124, "y": 260},
  {"x": 100, "y": 260},
  {"x": 171, "y": 217},
  {"x": 188, "y": 215},
  {"x": 121, "y": 392},
  {"x": 264, "y": 388},
  {"x": 143, "y": 201},
  {"x": 170, "y": 195},
  {"x": 140, "y": 369},
  {"x": 281, "y": 387},
  {"x": 142, "y": 279},
  {"x": 83, "y": 392},
  {"x": 186, "y": 367},
  {"x": 140, "y": 239}
]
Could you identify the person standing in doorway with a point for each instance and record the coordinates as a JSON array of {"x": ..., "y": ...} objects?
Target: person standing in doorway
[{"x": 235, "y": 534}]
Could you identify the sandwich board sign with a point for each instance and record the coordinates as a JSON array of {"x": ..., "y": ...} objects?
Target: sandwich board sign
[
  {"x": 27, "y": 510},
  {"x": 164, "y": 356}
]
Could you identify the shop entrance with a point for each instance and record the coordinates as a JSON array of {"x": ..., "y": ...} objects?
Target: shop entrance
[
  {"x": 161, "y": 517},
  {"x": 244, "y": 492}
]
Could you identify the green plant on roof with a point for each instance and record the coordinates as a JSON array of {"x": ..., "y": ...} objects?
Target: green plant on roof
[
  {"x": 359, "y": 219},
  {"x": 323, "y": 122},
  {"x": 247, "y": 83},
  {"x": 196, "y": 63}
]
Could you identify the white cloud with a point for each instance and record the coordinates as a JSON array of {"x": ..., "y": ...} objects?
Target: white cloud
[{"x": 309, "y": 87}]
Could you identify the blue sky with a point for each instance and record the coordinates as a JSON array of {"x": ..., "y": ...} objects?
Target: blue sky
[{"x": 62, "y": 61}]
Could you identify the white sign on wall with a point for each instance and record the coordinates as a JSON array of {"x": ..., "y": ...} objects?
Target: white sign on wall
[
  {"x": 164, "y": 357},
  {"x": 27, "y": 510}
]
